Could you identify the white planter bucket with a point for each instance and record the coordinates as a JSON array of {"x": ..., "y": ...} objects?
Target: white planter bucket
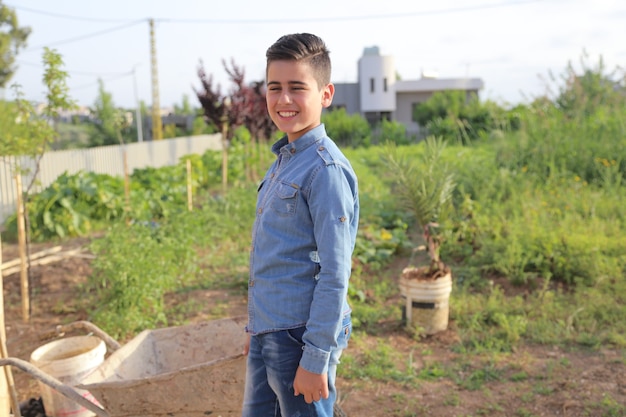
[
  {"x": 69, "y": 360},
  {"x": 427, "y": 302}
]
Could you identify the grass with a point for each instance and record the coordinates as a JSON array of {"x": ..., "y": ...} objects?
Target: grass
[{"x": 546, "y": 299}]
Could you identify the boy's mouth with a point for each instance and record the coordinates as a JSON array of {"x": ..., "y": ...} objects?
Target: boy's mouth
[{"x": 287, "y": 113}]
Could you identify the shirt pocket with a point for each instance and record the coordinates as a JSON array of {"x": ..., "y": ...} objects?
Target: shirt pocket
[{"x": 285, "y": 200}]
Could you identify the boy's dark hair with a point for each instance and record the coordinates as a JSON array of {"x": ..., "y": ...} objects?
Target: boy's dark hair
[{"x": 303, "y": 47}]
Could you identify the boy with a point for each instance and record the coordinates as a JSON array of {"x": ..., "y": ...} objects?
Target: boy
[{"x": 303, "y": 236}]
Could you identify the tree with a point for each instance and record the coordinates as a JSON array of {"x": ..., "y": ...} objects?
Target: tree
[
  {"x": 12, "y": 39},
  {"x": 582, "y": 92},
  {"x": 347, "y": 129},
  {"x": 440, "y": 105},
  {"x": 108, "y": 120},
  {"x": 251, "y": 104},
  {"x": 459, "y": 115},
  {"x": 28, "y": 133},
  {"x": 243, "y": 106},
  {"x": 57, "y": 96},
  {"x": 246, "y": 103},
  {"x": 24, "y": 132},
  {"x": 185, "y": 108}
]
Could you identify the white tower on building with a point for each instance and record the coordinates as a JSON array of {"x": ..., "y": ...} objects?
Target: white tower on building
[{"x": 377, "y": 77}]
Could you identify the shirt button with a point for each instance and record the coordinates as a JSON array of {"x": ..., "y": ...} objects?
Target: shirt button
[
  {"x": 251, "y": 284},
  {"x": 321, "y": 148},
  {"x": 260, "y": 211},
  {"x": 292, "y": 151},
  {"x": 342, "y": 219}
]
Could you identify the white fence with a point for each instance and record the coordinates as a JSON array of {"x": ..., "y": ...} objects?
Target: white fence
[{"x": 103, "y": 160}]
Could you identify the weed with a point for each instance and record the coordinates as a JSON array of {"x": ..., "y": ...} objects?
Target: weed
[
  {"x": 611, "y": 408},
  {"x": 519, "y": 377}
]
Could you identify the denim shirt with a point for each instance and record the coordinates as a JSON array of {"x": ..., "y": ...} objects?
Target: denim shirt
[{"x": 307, "y": 216}]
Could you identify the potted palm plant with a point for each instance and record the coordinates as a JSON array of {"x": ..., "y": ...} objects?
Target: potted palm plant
[{"x": 424, "y": 187}]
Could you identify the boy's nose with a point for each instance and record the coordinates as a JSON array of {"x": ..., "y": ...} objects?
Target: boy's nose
[{"x": 284, "y": 98}]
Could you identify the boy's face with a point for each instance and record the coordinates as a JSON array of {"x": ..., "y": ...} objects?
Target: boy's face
[{"x": 294, "y": 100}]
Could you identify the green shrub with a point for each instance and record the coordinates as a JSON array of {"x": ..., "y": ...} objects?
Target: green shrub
[
  {"x": 347, "y": 130},
  {"x": 73, "y": 205}
]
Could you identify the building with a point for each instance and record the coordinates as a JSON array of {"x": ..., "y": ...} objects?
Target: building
[{"x": 379, "y": 94}]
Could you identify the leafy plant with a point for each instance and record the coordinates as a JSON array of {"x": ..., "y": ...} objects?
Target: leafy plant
[
  {"x": 423, "y": 187},
  {"x": 347, "y": 130},
  {"x": 14, "y": 38},
  {"x": 73, "y": 205},
  {"x": 134, "y": 267}
]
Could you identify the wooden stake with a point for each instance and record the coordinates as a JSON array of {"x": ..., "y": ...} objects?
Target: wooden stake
[
  {"x": 126, "y": 188},
  {"x": 40, "y": 254},
  {"x": 44, "y": 260},
  {"x": 7, "y": 385},
  {"x": 189, "y": 187},
  {"x": 21, "y": 238},
  {"x": 224, "y": 156}
]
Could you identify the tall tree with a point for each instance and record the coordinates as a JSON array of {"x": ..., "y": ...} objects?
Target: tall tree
[
  {"x": 106, "y": 129},
  {"x": 246, "y": 105},
  {"x": 12, "y": 39},
  {"x": 29, "y": 133},
  {"x": 249, "y": 103},
  {"x": 586, "y": 90},
  {"x": 185, "y": 108},
  {"x": 25, "y": 131}
]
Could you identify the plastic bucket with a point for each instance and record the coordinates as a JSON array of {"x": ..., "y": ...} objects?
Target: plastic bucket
[
  {"x": 427, "y": 303},
  {"x": 69, "y": 360}
]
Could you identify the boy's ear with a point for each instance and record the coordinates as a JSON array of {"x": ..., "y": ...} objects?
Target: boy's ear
[{"x": 327, "y": 95}]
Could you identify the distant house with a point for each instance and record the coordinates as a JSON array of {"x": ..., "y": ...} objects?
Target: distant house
[{"x": 379, "y": 95}]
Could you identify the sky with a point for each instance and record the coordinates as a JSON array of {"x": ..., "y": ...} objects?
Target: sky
[{"x": 514, "y": 46}]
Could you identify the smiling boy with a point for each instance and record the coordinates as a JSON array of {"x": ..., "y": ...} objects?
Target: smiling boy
[{"x": 307, "y": 216}]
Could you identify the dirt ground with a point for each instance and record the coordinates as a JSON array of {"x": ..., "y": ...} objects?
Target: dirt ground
[{"x": 533, "y": 381}]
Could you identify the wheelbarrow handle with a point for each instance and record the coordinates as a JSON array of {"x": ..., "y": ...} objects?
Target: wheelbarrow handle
[
  {"x": 54, "y": 383},
  {"x": 108, "y": 340}
]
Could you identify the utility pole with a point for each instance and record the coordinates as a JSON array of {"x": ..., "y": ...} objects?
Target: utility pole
[{"x": 157, "y": 130}]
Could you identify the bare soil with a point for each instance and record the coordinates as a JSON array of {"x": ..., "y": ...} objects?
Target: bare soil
[{"x": 532, "y": 381}]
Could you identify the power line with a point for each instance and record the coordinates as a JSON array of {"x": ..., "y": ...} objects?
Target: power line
[
  {"x": 90, "y": 35},
  {"x": 295, "y": 20},
  {"x": 62, "y": 16},
  {"x": 86, "y": 73},
  {"x": 349, "y": 18},
  {"x": 112, "y": 78}
]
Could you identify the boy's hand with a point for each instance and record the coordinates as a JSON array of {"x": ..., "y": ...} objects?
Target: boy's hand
[{"x": 312, "y": 386}]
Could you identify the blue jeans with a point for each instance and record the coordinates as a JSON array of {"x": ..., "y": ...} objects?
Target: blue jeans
[{"x": 272, "y": 363}]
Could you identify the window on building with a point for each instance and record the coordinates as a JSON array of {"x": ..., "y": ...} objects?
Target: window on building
[
  {"x": 414, "y": 107},
  {"x": 385, "y": 84},
  {"x": 372, "y": 84}
]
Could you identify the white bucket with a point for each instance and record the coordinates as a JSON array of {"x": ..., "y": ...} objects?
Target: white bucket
[
  {"x": 69, "y": 360},
  {"x": 427, "y": 303}
]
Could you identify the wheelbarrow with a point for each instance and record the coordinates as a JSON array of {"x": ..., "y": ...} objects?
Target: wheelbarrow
[{"x": 185, "y": 371}]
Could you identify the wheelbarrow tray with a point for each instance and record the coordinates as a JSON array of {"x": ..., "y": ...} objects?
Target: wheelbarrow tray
[{"x": 184, "y": 371}]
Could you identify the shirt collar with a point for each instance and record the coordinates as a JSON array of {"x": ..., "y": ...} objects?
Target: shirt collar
[{"x": 300, "y": 144}]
